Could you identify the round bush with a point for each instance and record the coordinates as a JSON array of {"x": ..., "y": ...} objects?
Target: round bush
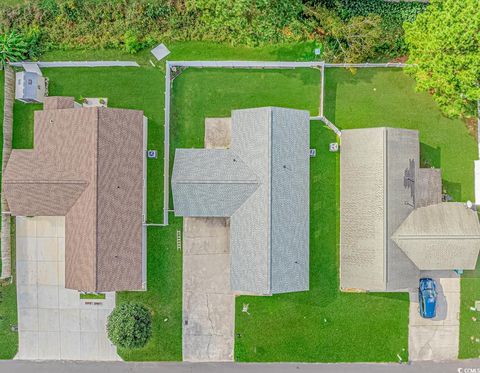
[{"x": 129, "y": 325}]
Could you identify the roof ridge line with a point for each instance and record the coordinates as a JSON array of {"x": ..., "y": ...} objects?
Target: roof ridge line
[
  {"x": 45, "y": 182},
  {"x": 410, "y": 237},
  {"x": 256, "y": 182}
]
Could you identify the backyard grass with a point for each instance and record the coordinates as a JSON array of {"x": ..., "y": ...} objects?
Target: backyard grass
[
  {"x": 322, "y": 324},
  {"x": 8, "y": 291},
  {"x": 143, "y": 88},
  {"x": 386, "y": 97},
  {"x": 193, "y": 50}
]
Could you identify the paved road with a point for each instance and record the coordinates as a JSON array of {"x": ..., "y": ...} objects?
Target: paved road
[{"x": 465, "y": 366}]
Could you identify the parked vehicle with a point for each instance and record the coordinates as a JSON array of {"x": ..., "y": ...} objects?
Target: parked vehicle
[{"x": 427, "y": 297}]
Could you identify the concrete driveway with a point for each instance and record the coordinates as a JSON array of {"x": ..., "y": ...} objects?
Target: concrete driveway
[
  {"x": 208, "y": 303},
  {"x": 53, "y": 322},
  {"x": 436, "y": 339}
]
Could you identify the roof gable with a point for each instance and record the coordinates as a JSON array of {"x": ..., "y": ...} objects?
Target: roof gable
[
  {"x": 441, "y": 237},
  {"x": 86, "y": 165},
  {"x": 262, "y": 184}
]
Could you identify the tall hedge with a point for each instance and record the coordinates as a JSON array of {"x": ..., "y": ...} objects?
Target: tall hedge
[{"x": 349, "y": 30}]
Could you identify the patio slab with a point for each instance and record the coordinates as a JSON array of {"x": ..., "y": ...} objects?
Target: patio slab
[
  {"x": 54, "y": 323},
  {"x": 218, "y": 133}
]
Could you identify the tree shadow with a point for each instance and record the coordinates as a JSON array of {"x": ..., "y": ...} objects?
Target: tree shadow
[
  {"x": 453, "y": 190},
  {"x": 430, "y": 156}
]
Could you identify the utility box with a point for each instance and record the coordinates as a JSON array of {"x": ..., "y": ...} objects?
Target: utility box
[{"x": 30, "y": 87}]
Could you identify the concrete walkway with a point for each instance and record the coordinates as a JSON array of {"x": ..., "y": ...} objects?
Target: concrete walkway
[
  {"x": 53, "y": 322},
  {"x": 208, "y": 303},
  {"x": 436, "y": 339}
]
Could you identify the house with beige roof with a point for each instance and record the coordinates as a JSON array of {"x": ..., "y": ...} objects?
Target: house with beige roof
[
  {"x": 87, "y": 164},
  {"x": 393, "y": 222}
]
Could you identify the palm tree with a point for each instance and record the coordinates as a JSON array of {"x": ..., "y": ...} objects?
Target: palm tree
[{"x": 13, "y": 48}]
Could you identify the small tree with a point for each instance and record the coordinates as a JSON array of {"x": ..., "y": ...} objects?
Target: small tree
[
  {"x": 129, "y": 326},
  {"x": 13, "y": 48},
  {"x": 354, "y": 40},
  {"x": 444, "y": 45}
]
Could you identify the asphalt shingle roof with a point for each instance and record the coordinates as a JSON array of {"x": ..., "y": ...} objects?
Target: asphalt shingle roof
[
  {"x": 441, "y": 237},
  {"x": 87, "y": 164},
  {"x": 262, "y": 184}
]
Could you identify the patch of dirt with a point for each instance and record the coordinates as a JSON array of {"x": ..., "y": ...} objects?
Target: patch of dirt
[
  {"x": 401, "y": 59},
  {"x": 472, "y": 126}
]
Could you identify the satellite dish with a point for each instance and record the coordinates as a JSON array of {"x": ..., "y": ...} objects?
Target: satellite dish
[{"x": 469, "y": 204}]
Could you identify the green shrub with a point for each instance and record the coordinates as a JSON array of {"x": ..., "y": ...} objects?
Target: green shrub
[
  {"x": 354, "y": 40},
  {"x": 132, "y": 45},
  {"x": 13, "y": 48},
  {"x": 129, "y": 326},
  {"x": 392, "y": 15}
]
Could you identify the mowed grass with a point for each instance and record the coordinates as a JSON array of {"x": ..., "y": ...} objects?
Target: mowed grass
[
  {"x": 372, "y": 98},
  {"x": 322, "y": 324},
  {"x": 469, "y": 320},
  {"x": 8, "y": 292},
  {"x": 143, "y": 88},
  {"x": 387, "y": 97}
]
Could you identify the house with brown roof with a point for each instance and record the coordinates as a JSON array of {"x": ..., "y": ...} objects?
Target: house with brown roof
[{"x": 87, "y": 164}]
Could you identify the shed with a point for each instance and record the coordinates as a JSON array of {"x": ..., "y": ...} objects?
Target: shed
[{"x": 30, "y": 87}]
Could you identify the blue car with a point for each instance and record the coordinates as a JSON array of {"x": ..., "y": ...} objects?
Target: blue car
[{"x": 427, "y": 297}]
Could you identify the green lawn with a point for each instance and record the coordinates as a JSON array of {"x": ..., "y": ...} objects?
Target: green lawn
[
  {"x": 8, "y": 291},
  {"x": 386, "y": 97},
  {"x": 322, "y": 324},
  {"x": 194, "y": 50},
  {"x": 143, "y": 88},
  {"x": 469, "y": 328},
  {"x": 8, "y": 311},
  {"x": 379, "y": 97}
]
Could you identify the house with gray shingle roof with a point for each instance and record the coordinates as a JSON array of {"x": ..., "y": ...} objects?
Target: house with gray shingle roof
[
  {"x": 393, "y": 223},
  {"x": 261, "y": 182}
]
